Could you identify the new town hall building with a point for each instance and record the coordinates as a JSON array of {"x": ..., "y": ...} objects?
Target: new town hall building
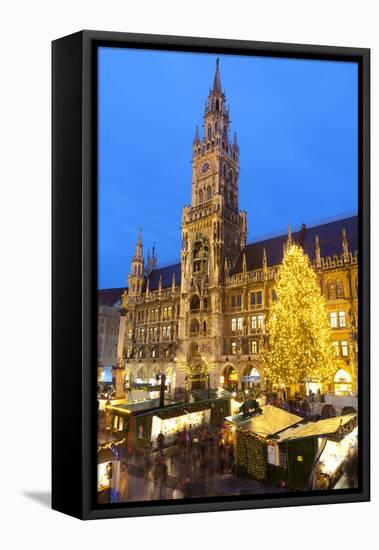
[{"x": 208, "y": 313}]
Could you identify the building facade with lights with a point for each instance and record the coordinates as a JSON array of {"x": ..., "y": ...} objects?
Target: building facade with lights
[{"x": 203, "y": 320}]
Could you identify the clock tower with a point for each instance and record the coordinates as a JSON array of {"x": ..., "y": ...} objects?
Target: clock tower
[{"x": 213, "y": 228}]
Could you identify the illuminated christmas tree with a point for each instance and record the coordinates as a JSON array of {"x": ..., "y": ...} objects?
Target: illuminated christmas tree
[{"x": 299, "y": 346}]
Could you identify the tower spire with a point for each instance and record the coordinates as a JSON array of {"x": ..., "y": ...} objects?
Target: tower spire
[{"x": 217, "y": 81}]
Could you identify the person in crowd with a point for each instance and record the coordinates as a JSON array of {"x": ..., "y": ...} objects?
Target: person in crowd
[
  {"x": 160, "y": 443},
  {"x": 222, "y": 456},
  {"x": 230, "y": 457},
  {"x": 162, "y": 478},
  {"x": 124, "y": 483}
]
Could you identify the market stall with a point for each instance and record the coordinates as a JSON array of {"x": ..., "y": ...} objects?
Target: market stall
[
  {"x": 285, "y": 449},
  {"x": 170, "y": 422},
  {"x": 253, "y": 435}
]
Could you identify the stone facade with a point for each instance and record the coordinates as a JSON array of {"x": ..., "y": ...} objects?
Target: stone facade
[{"x": 208, "y": 313}]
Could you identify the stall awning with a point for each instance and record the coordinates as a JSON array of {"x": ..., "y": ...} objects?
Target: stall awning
[
  {"x": 105, "y": 455},
  {"x": 327, "y": 426},
  {"x": 269, "y": 422}
]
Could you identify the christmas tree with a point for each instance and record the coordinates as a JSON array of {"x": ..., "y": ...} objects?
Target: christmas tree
[{"x": 299, "y": 346}]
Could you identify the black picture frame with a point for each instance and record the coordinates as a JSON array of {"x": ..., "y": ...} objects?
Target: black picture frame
[{"x": 74, "y": 271}]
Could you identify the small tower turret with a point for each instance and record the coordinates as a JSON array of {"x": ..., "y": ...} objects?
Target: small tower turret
[
  {"x": 136, "y": 275},
  {"x": 318, "y": 252},
  {"x": 345, "y": 246}
]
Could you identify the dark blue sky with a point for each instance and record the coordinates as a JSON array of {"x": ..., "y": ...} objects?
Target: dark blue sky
[{"x": 296, "y": 122}]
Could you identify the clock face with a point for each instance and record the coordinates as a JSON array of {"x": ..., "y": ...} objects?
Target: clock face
[{"x": 205, "y": 167}]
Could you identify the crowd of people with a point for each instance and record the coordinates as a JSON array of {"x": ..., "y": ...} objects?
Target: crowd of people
[{"x": 202, "y": 450}]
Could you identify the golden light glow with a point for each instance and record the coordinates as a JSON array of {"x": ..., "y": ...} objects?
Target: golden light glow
[{"x": 299, "y": 347}]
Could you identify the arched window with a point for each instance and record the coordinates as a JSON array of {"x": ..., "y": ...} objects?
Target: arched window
[
  {"x": 209, "y": 193},
  {"x": 204, "y": 326},
  {"x": 217, "y": 105},
  {"x": 209, "y": 132},
  {"x": 224, "y": 170},
  {"x": 229, "y": 378},
  {"x": 231, "y": 176},
  {"x": 200, "y": 196},
  {"x": 195, "y": 303},
  {"x": 216, "y": 126},
  {"x": 194, "y": 326}
]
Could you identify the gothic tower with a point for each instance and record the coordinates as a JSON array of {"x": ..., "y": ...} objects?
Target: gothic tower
[
  {"x": 213, "y": 229},
  {"x": 136, "y": 275}
]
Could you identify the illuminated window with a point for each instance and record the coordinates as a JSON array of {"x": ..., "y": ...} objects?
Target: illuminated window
[
  {"x": 234, "y": 348},
  {"x": 254, "y": 347},
  {"x": 333, "y": 319},
  {"x": 342, "y": 319},
  {"x": 236, "y": 323},
  {"x": 344, "y": 349},
  {"x": 336, "y": 348},
  {"x": 257, "y": 321}
]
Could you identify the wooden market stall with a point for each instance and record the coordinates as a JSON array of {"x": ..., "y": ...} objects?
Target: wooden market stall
[{"x": 280, "y": 447}]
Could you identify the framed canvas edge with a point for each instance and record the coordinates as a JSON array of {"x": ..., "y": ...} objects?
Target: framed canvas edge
[{"x": 91, "y": 40}]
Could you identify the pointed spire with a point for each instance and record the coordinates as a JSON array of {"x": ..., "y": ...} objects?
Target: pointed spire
[
  {"x": 318, "y": 252},
  {"x": 147, "y": 287},
  {"x": 138, "y": 255},
  {"x": 196, "y": 138},
  {"x": 235, "y": 142},
  {"x": 289, "y": 238},
  {"x": 345, "y": 246},
  {"x": 264, "y": 259},
  {"x": 226, "y": 267},
  {"x": 160, "y": 284},
  {"x": 217, "y": 81},
  {"x": 173, "y": 283},
  {"x": 244, "y": 264}
]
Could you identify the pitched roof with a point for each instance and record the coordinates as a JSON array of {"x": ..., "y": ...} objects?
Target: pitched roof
[
  {"x": 166, "y": 274},
  {"x": 330, "y": 241},
  {"x": 109, "y": 296},
  {"x": 327, "y": 426},
  {"x": 267, "y": 423}
]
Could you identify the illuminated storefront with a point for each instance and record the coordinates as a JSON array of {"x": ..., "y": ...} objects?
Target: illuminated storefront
[
  {"x": 251, "y": 378},
  {"x": 169, "y": 423},
  {"x": 229, "y": 380},
  {"x": 342, "y": 383}
]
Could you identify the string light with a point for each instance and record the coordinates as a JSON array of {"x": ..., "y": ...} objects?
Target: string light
[{"x": 299, "y": 346}]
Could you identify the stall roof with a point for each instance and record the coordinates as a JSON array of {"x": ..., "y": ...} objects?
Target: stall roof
[
  {"x": 211, "y": 394},
  {"x": 267, "y": 423},
  {"x": 327, "y": 426},
  {"x": 163, "y": 414},
  {"x": 132, "y": 407}
]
